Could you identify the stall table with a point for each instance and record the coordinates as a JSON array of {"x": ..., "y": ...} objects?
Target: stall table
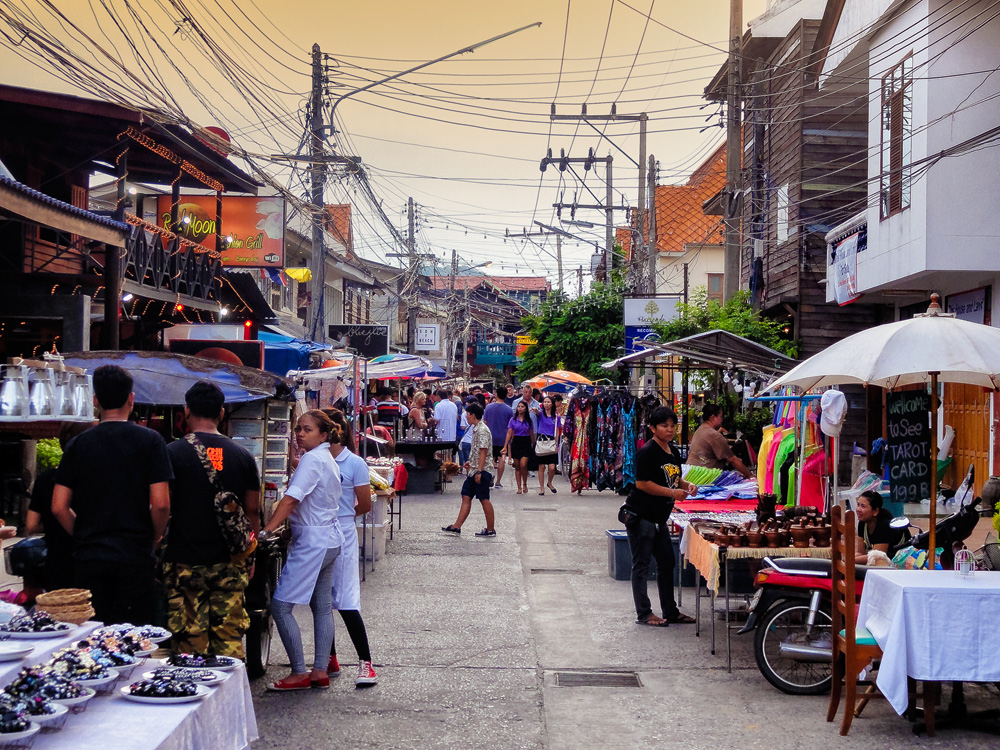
[
  {"x": 931, "y": 625},
  {"x": 709, "y": 559},
  {"x": 224, "y": 720},
  {"x": 424, "y": 449}
]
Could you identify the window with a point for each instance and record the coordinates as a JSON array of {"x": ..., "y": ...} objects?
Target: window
[
  {"x": 897, "y": 124},
  {"x": 781, "y": 214},
  {"x": 715, "y": 286}
]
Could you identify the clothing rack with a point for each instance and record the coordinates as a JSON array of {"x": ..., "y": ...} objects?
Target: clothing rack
[{"x": 801, "y": 421}]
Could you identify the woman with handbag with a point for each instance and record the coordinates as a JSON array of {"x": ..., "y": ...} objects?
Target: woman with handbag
[
  {"x": 311, "y": 505},
  {"x": 519, "y": 445},
  {"x": 547, "y": 443}
]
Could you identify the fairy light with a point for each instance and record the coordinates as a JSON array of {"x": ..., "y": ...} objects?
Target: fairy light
[{"x": 161, "y": 150}]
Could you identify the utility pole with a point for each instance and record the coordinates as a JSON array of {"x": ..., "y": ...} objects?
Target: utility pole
[
  {"x": 734, "y": 149},
  {"x": 609, "y": 248},
  {"x": 411, "y": 307},
  {"x": 450, "y": 325},
  {"x": 579, "y": 281},
  {"x": 650, "y": 239},
  {"x": 559, "y": 275},
  {"x": 465, "y": 337},
  {"x": 317, "y": 169},
  {"x": 638, "y": 253}
]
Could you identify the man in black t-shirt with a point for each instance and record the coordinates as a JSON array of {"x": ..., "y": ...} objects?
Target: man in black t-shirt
[
  {"x": 112, "y": 495},
  {"x": 658, "y": 485},
  {"x": 206, "y": 610}
]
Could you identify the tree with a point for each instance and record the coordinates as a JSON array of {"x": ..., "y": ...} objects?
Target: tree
[{"x": 577, "y": 335}]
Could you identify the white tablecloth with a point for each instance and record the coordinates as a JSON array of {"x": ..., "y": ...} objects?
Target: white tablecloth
[
  {"x": 932, "y": 625},
  {"x": 224, "y": 720}
]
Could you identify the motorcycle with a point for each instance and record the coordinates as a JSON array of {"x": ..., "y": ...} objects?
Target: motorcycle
[{"x": 789, "y": 613}]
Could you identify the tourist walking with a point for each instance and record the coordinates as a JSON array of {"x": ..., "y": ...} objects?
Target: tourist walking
[
  {"x": 497, "y": 416},
  {"x": 205, "y": 587},
  {"x": 547, "y": 444},
  {"x": 310, "y": 504},
  {"x": 518, "y": 445},
  {"x": 355, "y": 500},
  {"x": 112, "y": 495},
  {"x": 477, "y": 483}
]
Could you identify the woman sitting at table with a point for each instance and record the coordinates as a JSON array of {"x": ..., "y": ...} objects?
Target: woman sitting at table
[
  {"x": 416, "y": 418},
  {"x": 874, "y": 531}
]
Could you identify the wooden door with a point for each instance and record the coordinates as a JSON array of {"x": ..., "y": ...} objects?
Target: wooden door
[{"x": 967, "y": 410}]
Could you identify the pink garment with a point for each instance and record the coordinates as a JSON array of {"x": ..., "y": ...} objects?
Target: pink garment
[
  {"x": 771, "y": 455},
  {"x": 813, "y": 474}
]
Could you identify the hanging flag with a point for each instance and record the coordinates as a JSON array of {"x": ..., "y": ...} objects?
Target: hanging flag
[
  {"x": 299, "y": 274},
  {"x": 275, "y": 275}
]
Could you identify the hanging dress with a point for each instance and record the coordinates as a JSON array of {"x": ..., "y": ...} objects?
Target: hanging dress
[{"x": 579, "y": 475}]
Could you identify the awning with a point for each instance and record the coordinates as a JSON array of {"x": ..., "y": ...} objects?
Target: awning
[
  {"x": 240, "y": 291},
  {"x": 162, "y": 378},
  {"x": 285, "y": 353},
  {"x": 716, "y": 349}
]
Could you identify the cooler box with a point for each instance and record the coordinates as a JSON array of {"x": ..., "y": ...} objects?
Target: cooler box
[{"x": 620, "y": 559}]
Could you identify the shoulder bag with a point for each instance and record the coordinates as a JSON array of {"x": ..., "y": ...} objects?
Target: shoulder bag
[{"x": 233, "y": 521}]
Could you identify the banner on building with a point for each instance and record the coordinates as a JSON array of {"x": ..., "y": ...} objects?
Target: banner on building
[
  {"x": 369, "y": 341},
  {"x": 640, "y": 315},
  {"x": 843, "y": 272},
  {"x": 973, "y": 306},
  {"x": 523, "y": 342},
  {"x": 428, "y": 337},
  {"x": 253, "y": 227}
]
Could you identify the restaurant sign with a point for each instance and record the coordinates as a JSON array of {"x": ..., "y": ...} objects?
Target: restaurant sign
[
  {"x": 908, "y": 451},
  {"x": 843, "y": 271},
  {"x": 253, "y": 227}
]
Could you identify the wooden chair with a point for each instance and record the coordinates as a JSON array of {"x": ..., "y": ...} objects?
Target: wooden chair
[{"x": 853, "y": 649}]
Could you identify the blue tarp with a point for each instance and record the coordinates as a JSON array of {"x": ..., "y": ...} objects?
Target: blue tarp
[
  {"x": 283, "y": 354},
  {"x": 162, "y": 378}
]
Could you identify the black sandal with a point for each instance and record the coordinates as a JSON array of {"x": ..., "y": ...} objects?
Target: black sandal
[
  {"x": 682, "y": 619},
  {"x": 451, "y": 529}
]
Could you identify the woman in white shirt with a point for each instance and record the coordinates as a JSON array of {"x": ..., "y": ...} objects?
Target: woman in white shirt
[
  {"x": 355, "y": 500},
  {"x": 310, "y": 504}
]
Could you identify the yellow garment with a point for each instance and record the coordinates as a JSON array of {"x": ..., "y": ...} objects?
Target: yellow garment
[{"x": 765, "y": 448}]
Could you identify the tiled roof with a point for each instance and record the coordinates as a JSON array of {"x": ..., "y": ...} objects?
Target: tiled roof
[
  {"x": 679, "y": 216},
  {"x": 502, "y": 283},
  {"x": 339, "y": 224},
  {"x": 62, "y": 205}
]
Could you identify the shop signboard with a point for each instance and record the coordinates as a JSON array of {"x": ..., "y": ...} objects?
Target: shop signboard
[
  {"x": 908, "y": 454},
  {"x": 523, "y": 342},
  {"x": 253, "y": 227},
  {"x": 428, "y": 337},
  {"x": 368, "y": 340},
  {"x": 844, "y": 270},
  {"x": 972, "y": 306},
  {"x": 640, "y": 315}
]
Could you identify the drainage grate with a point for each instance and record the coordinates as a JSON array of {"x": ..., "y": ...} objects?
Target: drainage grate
[
  {"x": 557, "y": 571},
  {"x": 542, "y": 510},
  {"x": 598, "y": 679}
]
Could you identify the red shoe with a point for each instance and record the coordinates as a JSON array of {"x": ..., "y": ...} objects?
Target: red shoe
[
  {"x": 321, "y": 684},
  {"x": 302, "y": 683},
  {"x": 366, "y": 675},
  {"x": 333, "y": 668}
]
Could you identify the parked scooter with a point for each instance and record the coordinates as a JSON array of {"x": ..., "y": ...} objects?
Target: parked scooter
[{"x": 789, "y": 613}]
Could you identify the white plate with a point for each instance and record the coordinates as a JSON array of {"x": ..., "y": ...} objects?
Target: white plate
[
  {"x": 61, "y": 710},
  {"x": 14, "y": 651},
  {"x": 143, "y": 654},
  {"x": 161, "y": 638},
  {"x": 9, "y": 737},
  {"x": 39, "y": 636},
  {"x": 228, "y": 667},
  {"x": 112, "y": 675},
  {"x": 200, "y": 692},
  {"x": 88, "y": 693},
  {"x": 219, "y": 676}
]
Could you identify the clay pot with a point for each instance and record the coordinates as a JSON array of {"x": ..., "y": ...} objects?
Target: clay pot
[
  {"x": 737, "y": 540},
  {"x": 801, "y": 536},
  {"x": 773, "y": 538},
  {"x": 756, "y": 538},
  {"x": 722, "y": 538},
  {"x": 709, "y": 536},
  {"x": 783, "y": 537},
  {"x": 823, "y": 534}
]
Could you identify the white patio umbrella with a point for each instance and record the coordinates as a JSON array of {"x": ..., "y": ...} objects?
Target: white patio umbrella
[{"x": 933, "y": 347}]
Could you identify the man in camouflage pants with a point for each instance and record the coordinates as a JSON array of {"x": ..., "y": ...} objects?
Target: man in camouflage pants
[{"x": 205, "y": 589}]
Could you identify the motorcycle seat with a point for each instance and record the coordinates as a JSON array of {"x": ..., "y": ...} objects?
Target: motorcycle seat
[{"x": 816, "y": 565}]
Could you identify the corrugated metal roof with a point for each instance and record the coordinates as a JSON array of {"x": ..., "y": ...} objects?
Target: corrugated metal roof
[{"x": 62, "y": 205}]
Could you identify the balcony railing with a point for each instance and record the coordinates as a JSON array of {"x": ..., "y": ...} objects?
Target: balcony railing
[
  {"x": 496, "y": 354},
  {"x": 162, "y": 263}
]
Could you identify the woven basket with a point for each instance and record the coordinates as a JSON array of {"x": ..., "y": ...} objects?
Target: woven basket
[
  {"x": 65, "y": 598},
  {"x": 74, "y": 614}
]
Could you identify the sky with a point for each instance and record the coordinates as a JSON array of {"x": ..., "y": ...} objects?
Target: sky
[{"x": 463, "y": 137}]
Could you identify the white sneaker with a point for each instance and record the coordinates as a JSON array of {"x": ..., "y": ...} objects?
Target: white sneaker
[{"x": 366, "y": 675}]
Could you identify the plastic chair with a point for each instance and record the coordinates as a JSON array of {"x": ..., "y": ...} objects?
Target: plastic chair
[{"x": 853, "y": 648}]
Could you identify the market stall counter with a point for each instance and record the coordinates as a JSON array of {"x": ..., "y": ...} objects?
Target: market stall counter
[{"x": 223, "y": 720}]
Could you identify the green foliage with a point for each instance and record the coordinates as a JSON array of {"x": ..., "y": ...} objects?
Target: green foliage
[
  {"x": 737, "y": 316},
  {"x": 48, "y": 454},
  {"x": 577, "y": 335}
]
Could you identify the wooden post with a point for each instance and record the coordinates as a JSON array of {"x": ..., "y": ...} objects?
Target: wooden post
[{"x": 932, "y": 546}]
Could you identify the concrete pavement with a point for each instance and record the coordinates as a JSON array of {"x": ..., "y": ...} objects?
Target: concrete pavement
[{"x": 468, "y": 635}]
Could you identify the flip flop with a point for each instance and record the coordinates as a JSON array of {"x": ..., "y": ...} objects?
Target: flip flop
[
  {"x": 551, "y": 488},
  {"x": 683, "y": 619},
  {"x": 653, "y": 622}
]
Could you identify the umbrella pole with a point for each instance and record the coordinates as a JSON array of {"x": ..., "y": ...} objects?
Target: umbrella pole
[{"x": 932, "y": 546}]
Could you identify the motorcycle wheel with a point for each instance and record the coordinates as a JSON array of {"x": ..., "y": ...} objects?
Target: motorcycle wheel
[
  {"x": 783, "y": 623},
  {"x": 261, "y": 630}
]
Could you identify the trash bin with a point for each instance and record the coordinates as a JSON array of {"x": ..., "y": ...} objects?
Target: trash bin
[{"x": 620, "y": 559}]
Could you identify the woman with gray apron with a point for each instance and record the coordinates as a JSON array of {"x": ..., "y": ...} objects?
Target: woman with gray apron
[{"x": 310, "y": 505}]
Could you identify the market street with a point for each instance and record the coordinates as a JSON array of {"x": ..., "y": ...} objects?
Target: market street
[{"x": 467, "y": 640}]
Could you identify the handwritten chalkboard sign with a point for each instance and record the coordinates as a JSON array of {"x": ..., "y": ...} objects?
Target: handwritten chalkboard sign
[{"x": 909, "y": 453}]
